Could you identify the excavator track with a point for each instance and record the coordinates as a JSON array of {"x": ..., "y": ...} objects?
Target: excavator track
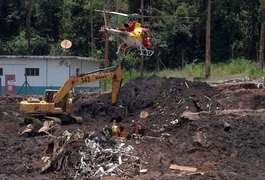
[
  {"x": 58, "y": 119},
  {"x": 78, "y": 119}
]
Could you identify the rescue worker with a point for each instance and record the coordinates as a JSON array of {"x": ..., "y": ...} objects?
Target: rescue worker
[
  {"x": 135, "y": 127},
  {"x": 115, "y": 129},
  {"x": 70, "y": 101},
  {"x": 123, "y": 132},
  {"x": 69, "y": 104},
  {"x": 137, "y": 130}
]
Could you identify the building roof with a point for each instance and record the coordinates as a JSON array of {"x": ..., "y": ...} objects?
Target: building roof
[{"x": 91, "y": 59}]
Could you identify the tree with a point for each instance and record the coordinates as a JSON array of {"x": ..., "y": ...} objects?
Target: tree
[
  {"x": 172, "y": 33},
  {"x": 47, "y": 18},
  {"x": 234, "y": 29},
  {"x": 11, "y": 16},
  {"x": 262, "y": 28},
  {"x": 28, "y": 23}
]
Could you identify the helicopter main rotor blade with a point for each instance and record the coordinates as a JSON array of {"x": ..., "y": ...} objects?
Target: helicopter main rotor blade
[{"x": 117, "y": 13}]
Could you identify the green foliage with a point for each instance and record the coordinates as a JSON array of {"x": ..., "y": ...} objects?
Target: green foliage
[
  {"x": 235, "y": 66},
  {"x": 234, "y": 29},
  {"x": 11, "y": 18},
  {"x": 194, "y": 69},
  {"x": 128, "y": 61},
  {"x": 262, "y": 6},
  {"x": 233, "y": 69},
  {"x": 255, "y": 73},
  {"x": 129, "y": 76},
  {"x": 4, "y": 49},
  {"x": 19, "y": 45},
  {"x": 56, "y": 50},
  {"x": 99, "y": 54},
  {"x": 46, "y": 18},
  {"x": 40, "y": 45}
]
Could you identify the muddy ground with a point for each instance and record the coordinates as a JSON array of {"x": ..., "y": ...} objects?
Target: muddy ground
[{"x": 218, "y": 130}]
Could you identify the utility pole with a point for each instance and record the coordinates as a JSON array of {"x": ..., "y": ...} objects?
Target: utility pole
[
  {"x": 91, "y": 29},
  {"x": 142, "y": 21},
  {"x": 208, "y": 42},
  {"x": 117, "y": 23},
  {"x": 261, "y": 42},
  {"x": 106, "y": 36}
]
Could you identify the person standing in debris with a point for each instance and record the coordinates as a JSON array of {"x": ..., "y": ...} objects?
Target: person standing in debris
[
  {"x": 115, "y": 129},
  {"x": 123, "y": 132},
  {"x": 135, "y": 127},
  {"x": 106, "y": 131},
  {"x": 141, "y": 130},
  {"x": 70, "y": 102}
]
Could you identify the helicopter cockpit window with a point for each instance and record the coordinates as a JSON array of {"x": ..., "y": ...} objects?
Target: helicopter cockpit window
[{"x": 146, "y": 34}]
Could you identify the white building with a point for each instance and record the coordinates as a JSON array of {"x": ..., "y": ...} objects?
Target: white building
[{"x": 42, "y": 72}]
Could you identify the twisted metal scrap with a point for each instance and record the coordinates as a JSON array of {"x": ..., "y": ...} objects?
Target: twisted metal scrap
[
  {"x": 81, "y": 157},
  {"x": 97, "y": 161}
]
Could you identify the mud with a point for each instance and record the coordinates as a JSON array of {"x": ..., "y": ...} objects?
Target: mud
[{"x": 219, "y": 131}]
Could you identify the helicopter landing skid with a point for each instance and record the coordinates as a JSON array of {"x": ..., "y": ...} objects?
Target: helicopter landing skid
[
  {"x": 146, "y": 52},
  {"x": 124, "y": 48}
]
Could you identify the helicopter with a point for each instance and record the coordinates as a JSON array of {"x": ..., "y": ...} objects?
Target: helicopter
[{"x": 132, "y": 35}]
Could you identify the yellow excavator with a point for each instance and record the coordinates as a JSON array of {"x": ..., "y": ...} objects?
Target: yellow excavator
[{"x": 54, "y": 105}]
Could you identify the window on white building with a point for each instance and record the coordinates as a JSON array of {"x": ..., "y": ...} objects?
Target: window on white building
[
  {"x": 1, "y": 71},
  {"x": 32, "y": 71}
]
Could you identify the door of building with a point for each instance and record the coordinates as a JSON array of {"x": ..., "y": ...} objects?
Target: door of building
[{"x": 10, "y": 80}]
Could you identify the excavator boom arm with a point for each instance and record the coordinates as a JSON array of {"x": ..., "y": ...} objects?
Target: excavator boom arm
[{"x": 81, "y": 79}]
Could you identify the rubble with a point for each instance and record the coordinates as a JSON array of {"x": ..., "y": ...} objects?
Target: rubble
[
  {"x": 95, "y": 157},
  {"x": 190, "y": 125}
]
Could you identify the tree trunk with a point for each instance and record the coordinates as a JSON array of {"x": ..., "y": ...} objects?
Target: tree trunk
[
  {"x": 92, "y": 45},
  {"x": 28, "y": 24},
  {"x": 157, "y": 68},
  {"x": 142, "y": 21},
  {"x": 182, "y": 58},
  {"x": 106, "y": 36},
  {"x": 261, "y": 43},
  {"x": 208, "y": 42}
]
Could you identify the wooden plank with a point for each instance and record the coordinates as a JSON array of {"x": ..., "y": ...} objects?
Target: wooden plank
[{"x": 182, "y": 168}]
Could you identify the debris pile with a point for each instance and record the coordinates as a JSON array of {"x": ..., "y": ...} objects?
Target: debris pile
[
  {"x": 191, "y": 131},
  {"x": 162, "y": 95},
  {"x": 79, "y": 155},
  {"x": 12, "y": 107}
]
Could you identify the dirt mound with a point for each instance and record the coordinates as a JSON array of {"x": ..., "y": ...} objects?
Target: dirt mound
[
  {"x": 222, "y": 145},
  {"x": 243, "y": 99},
  {"x": 9, "y": 108},
  {"x": 164, "y": 95},
  {"x": 218, "y": 133}
]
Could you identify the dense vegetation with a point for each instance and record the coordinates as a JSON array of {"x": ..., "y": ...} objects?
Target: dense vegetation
[{"x": 36, "y": 27}]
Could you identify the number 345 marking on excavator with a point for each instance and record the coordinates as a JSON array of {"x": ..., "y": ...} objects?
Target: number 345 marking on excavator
[{"x": 85, "y": 79}]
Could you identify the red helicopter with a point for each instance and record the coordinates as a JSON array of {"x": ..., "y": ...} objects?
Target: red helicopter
[{"x": 132, "y": 35}]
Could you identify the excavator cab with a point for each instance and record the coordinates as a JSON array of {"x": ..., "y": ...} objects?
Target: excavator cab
[{"x": 49, "y": 95}]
